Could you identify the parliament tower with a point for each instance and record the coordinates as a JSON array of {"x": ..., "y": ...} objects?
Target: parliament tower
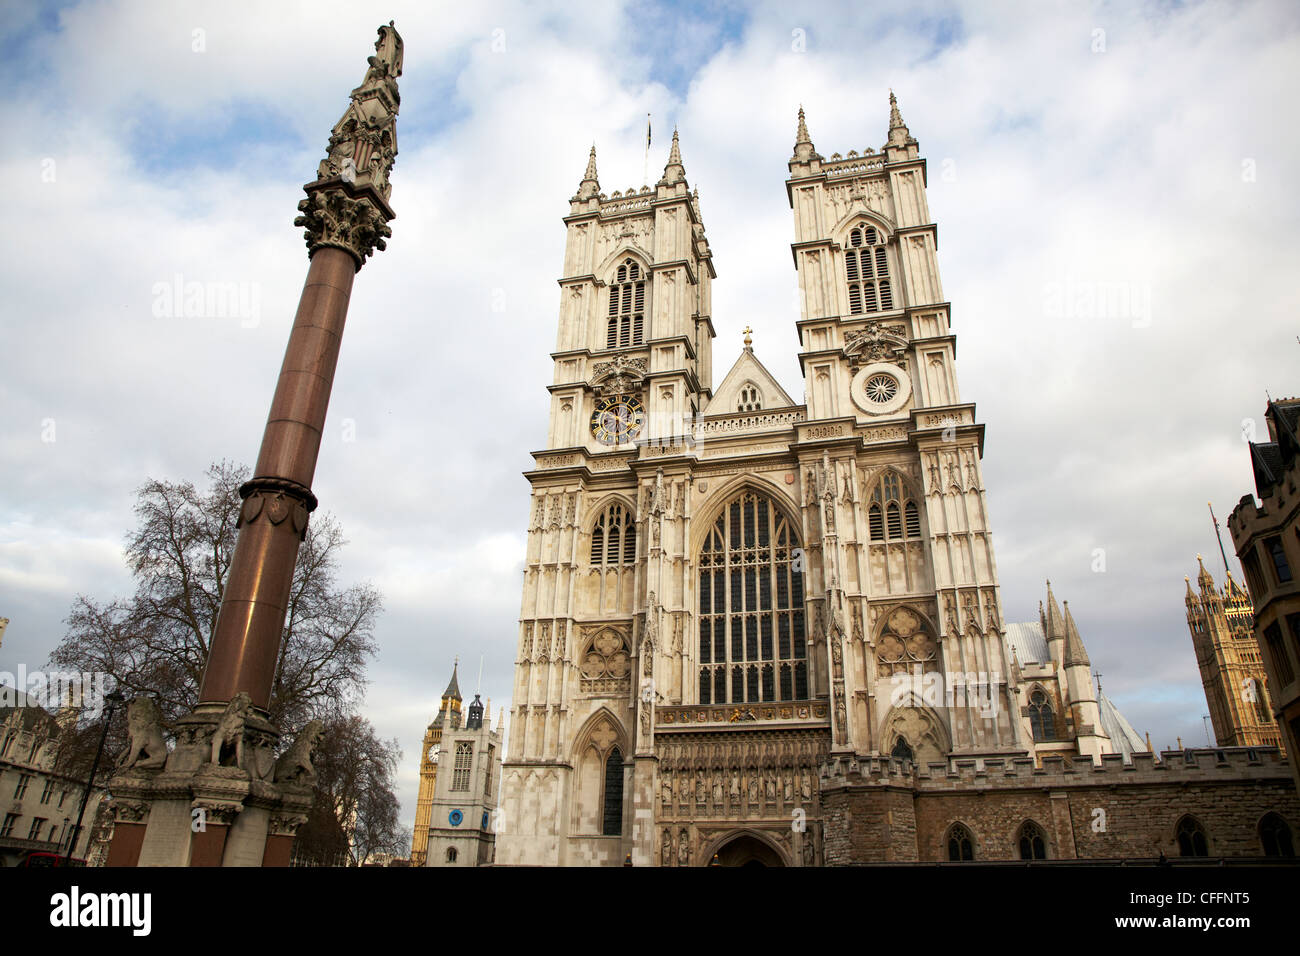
[{"x": 724, "y": 588}]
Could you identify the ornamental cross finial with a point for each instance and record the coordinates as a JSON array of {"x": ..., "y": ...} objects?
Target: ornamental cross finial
[{"x": 748, "y": 332}]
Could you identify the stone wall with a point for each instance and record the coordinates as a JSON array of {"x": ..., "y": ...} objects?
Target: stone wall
[{"x": 880, "y": 810}]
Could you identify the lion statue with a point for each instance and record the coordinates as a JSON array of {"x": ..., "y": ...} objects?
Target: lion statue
[
  {"x": 147, "y": 749},
  {"x": 228, "y": 739},
  {"x": 294, "y": 765}
]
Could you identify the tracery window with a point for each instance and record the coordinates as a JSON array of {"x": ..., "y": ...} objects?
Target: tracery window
[
  {"x": 893, "y": 514},
  {"x": 461, "y": 768},
  {"x": 626, "y": 306},
  {"x": 867, "y": 265},
  {"x": 1042, "y": 719},
  {"x": 1275, "y": 836},
  {"x": 752, "y": 639},
  {"x": 961, "y": 846},
  {"x": 903, "y": 750},
  {"x": 613, "y": 537},
  {"x": 1191, "y": 838},
  {"x": 1033, "y": 844},
  {"x": 750, "y": 399}
]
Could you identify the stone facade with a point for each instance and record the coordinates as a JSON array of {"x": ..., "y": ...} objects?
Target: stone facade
[
  {"x": 38, "y": 805},
  {"x": 456, "y": 811},
  {"x": 726, "y": 593},
  {"x": 880, "y": 811}
]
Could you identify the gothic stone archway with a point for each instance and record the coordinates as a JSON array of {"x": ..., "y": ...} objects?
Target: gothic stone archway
[{"x": 746, "y": 849}]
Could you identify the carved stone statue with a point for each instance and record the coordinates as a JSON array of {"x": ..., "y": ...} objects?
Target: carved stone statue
[
  {"x": 228, "y": 739},
  {"x": 295, "y": 764},
  {"x": 753, "y": 789},
  {"x": 735, "y": 789},
  {"x": 806, "y": 784},
  {"x": 700, "y": 795},
  {"x": 684, "y": 848},
  {"x": 146, "y": 749},
  {"x": 666, "y": 790},
  {"x": 666, "y": 854}
]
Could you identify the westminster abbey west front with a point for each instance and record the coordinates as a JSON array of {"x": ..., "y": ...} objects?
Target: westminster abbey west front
[{"x": 755, "y": 631}]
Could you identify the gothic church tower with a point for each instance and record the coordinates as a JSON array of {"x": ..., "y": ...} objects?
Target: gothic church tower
[{"x": 724, "y": 589}]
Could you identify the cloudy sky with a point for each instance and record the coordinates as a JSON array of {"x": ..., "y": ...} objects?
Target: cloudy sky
[{"x": 1140, "y": 151}]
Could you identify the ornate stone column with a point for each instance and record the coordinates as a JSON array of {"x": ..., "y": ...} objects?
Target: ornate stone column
[{"x": 221, "y": 798}]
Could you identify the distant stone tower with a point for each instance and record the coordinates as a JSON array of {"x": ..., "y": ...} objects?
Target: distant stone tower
[
  {"x": 454, "y": 820},
  {"x": 1222, "y": 626},
  {"x": 429, "y": 752}
]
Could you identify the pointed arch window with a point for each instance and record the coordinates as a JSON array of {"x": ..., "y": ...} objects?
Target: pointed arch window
[
  {"x": 612, "y": 824},
  {"x": 866, "y": 262},
  {"x": 613, "y": 538},
  {"x": 752, "y": 639},
  {"x": 961, "y": 846},
  {"x": 626, "y": 324},
  {"x": 1032, "y": 842},
  {"x": 1191, "y": 838},
  {"x": 1275, "y": 836},
  {"x": 893, "y": 514},
  {"x": 1042, "y": 719},
  {"x": 463, "y": 765},
  {"x": 751, "y": 399},
  {"x": 903, "y": 750}
]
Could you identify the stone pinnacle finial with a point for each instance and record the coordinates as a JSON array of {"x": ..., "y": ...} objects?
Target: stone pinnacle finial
[
  {"x": 899, "y": 134},
  {"x": 803, "y": 145},
  {"x": 674, "y": 172},
  {"x": 590, "y": 185}
]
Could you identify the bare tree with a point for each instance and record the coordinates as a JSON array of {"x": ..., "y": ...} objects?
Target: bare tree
[
  {"x": 356, "y": 771},
  {"x": 157, "y": 641}
]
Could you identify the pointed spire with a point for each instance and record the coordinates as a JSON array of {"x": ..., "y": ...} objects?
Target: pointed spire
[
  {"x": 803, "y": 145},
  {"x": 1055, "y": 627},
  {"x": 1148, "y": 741},
  {"x": 1203, "y": 578},
  {"x": 453, "y": 686},
  {"x": 590, "y": 185},
  {"x": 674, "y": 172},
  {"x": 1190, "y": 596},
  {"x": 899, "y": 134},
  {"x": 1074, "y": 650}
]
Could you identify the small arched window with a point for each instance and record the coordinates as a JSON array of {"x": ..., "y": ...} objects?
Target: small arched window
[
  {"x": 1042, "y": 720},
  {"x": 867, "y": 265},
  {"x": 613, "y": 816},
  {"x": 613, "y": 538},
  {"x": 893, "y": 514},
  {"x": 751, "y": 400},
  {"x": 451, "y": 854},
  {"x": 903, "y": 750},
  {"x": 1191, "y": 838},
  {"x": 961, "y": 846},
  {"x": 1275, "y": 836},
  {"x": 1032, "y": 841},
  {"x": 626, "y": 307}
]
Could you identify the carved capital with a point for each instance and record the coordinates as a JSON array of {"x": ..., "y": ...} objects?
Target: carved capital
[
  {"x": 216, "y": 811},
  {"x": 285, "y": 824},
  {"x": 340, "y": 216}
]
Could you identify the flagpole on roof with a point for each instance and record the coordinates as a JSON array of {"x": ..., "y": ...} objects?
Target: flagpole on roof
[{"x": 645, "y": 166}]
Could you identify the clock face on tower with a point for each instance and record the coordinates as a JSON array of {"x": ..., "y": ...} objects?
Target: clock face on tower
[
  {"x": 433, "y": 752},
  {"x": 617, "y": 419}
]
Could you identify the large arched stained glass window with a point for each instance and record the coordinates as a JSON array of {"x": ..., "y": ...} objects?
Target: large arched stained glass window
[{"x": 752, "y": 641}]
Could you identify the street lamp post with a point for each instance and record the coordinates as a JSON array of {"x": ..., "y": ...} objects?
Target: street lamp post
[{"x": 112, "y": 698}]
